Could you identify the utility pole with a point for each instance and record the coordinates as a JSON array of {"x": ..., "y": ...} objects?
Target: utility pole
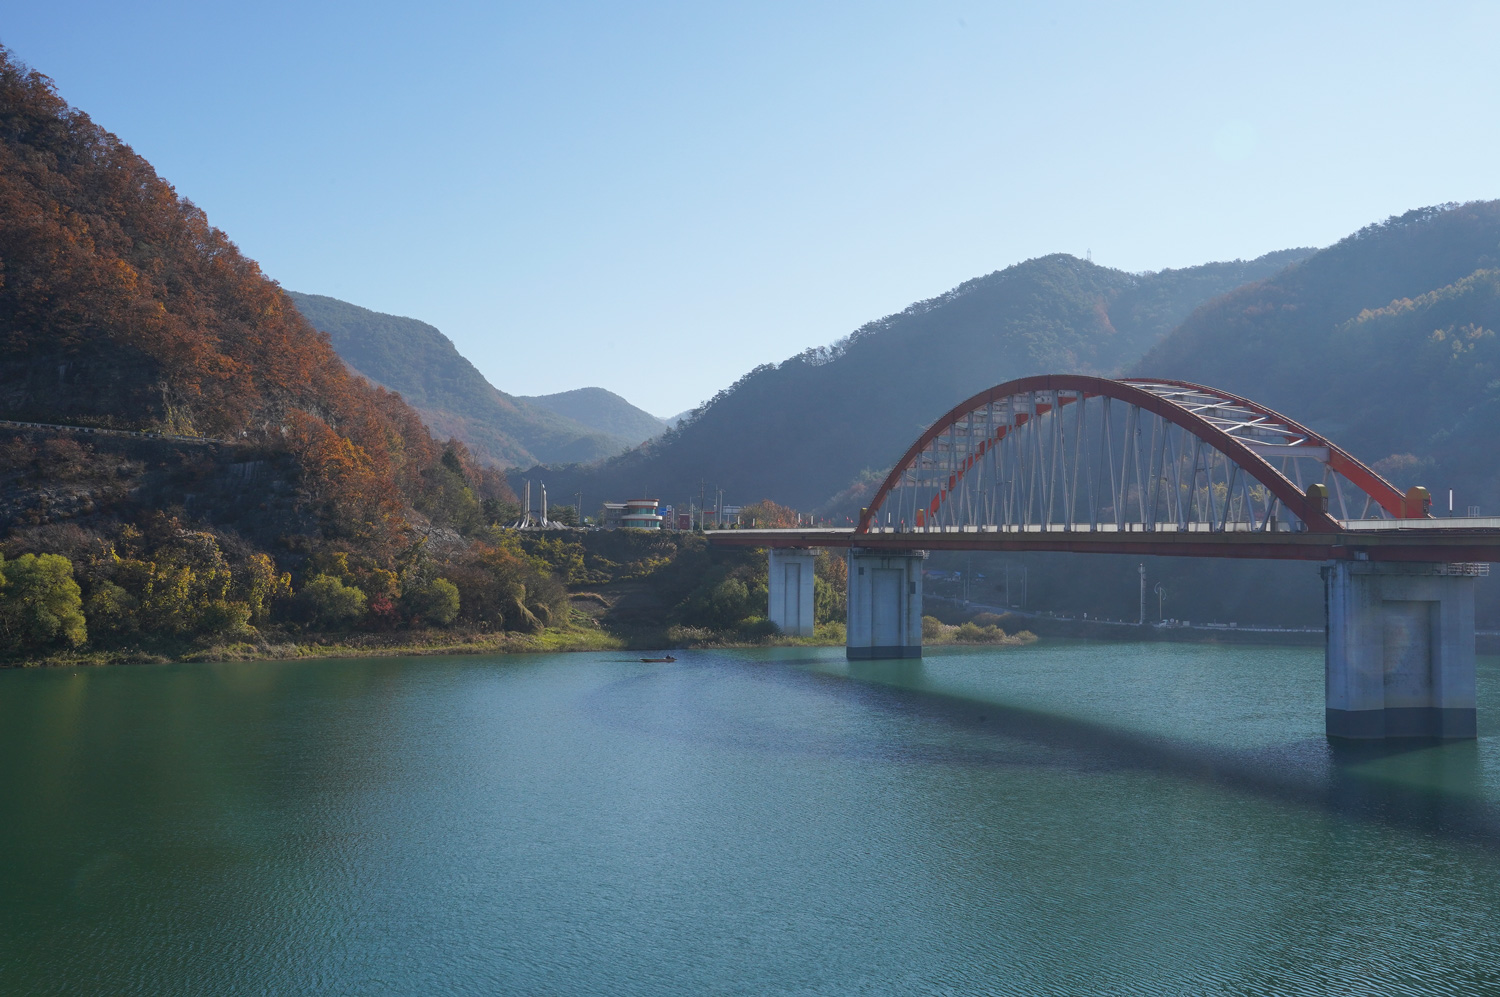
[{"x": 1142, "y": 621}]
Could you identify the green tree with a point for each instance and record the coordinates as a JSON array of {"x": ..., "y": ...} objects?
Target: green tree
[
  {"x": 722, "y": 606},
  {"x": 111, "y": 611},
  {"x": 332, "y": 603},
  {"x": 228, "y": 619},
  {"x": 40, "y": 603},
  {"x": 169, "y": 589},
  {"x": 830, "y": 588},
  {"x": 500, "y": 511},
  {"x": 259, "y": 586},
  {"x": 435, "y": 602}
]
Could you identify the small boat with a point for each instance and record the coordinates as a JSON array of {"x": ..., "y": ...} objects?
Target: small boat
[{"x": 652, "y": 661}]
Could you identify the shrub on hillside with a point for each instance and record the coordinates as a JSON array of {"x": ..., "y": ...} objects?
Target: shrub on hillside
[
  {"x": 436, "y": 602},
  {"x": 501, "y": 585},
  {"x": 330, "y": 602},
  {"x": 225, "y": 619},
  {"x": 757, "y": 628}
]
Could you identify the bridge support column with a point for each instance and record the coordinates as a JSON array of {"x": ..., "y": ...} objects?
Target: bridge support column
[
  {"x": 791, "y": 585},
  {"x": 1400, "y": 650},
  {"x": 885, "y": 604}
]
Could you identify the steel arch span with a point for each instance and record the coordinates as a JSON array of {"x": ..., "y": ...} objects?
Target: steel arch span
[{"x": 1073, "y": 453}]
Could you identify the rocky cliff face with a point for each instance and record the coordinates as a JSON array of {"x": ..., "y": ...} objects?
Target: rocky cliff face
[
  {"x": 86, "y": 390},
  {"x": 53, "y": 482}
]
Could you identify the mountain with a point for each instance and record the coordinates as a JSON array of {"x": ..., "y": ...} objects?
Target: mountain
[
  {"x": 802, "y": 430},
  {"x": 1385, "y": 342},
  {"x": 421, "y": 363},
  {"x": 602, "y": 411},
  {"x": 121, "y": 307}
]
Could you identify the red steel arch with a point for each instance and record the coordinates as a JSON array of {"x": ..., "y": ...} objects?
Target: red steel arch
[{"x": 1242, "y": 431}]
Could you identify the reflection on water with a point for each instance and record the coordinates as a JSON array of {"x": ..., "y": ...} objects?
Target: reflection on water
[{"x": 1062, "y": 818}]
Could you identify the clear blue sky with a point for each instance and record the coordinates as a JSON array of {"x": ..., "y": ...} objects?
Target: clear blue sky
[{"x": 656, "y": 197}]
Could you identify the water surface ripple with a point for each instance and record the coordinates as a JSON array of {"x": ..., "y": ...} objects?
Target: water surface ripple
[{"x": 1066, "y": 818}]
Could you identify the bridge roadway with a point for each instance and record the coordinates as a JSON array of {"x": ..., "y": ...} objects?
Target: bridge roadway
[{"x": 1418, "y": 540}]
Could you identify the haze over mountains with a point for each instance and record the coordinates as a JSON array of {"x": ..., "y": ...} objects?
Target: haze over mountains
[
  {"x": 455, "y": 399},
  {"x": 603, "y": 411},
  {"x": 805, "y": 429}
]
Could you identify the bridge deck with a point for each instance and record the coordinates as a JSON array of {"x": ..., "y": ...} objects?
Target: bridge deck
[{"x": 1357, "y": 541}]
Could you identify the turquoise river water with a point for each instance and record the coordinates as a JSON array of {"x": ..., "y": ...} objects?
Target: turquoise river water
[{"x": 1065, "y": 818}]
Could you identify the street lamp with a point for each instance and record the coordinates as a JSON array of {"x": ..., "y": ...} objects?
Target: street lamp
[{"x": 1160, "y": 595}]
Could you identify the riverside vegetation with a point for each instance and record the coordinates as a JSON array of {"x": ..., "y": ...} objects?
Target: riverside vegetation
[{"x": 168, "y": 591}]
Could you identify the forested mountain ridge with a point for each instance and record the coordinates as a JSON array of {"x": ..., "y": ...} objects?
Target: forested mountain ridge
[
  {"x": 122, "y": 306},
  {"x": 454, "y": 398},
  {"x": 1385, "y": 342},
  {"x": 802, "y": 430},
  {"x": 603, "y": 411}
]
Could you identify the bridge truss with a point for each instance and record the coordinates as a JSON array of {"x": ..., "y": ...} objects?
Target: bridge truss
[
  {"x": 1079, "y": 454},
  {"x": 1140, "y": 466}
]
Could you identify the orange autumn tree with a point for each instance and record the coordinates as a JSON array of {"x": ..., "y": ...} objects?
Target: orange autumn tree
[{"x": 768, "y": 515}]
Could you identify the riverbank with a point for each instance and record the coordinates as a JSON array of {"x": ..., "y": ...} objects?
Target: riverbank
[{"x": 282, "y": 646}]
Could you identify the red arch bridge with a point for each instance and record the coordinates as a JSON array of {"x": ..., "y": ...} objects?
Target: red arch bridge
[{"x": 1082, "y": 464}]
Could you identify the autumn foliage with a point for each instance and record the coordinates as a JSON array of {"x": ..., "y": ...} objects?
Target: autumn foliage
[{"x": 120, "y": 305}]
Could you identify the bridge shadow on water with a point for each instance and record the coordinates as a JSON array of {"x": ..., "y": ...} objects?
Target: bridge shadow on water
[
  {"x": 1426, "y": 786},
  {"x": 1416, "y": 786}
]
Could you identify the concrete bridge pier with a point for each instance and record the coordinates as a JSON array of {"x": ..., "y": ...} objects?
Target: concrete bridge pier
[
  {"x": 1400, "y": 650},
  {"x": 885, "y": 604},
  {"x": 791, "y": 590}
]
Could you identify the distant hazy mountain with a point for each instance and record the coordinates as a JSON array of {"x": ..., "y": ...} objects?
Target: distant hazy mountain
[
  {"x": 805, "y": 429},
  {"x": 1386, "y": 342},
  {"x": 602, "y": 411},
  {"x": 452, "y": 396}
]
